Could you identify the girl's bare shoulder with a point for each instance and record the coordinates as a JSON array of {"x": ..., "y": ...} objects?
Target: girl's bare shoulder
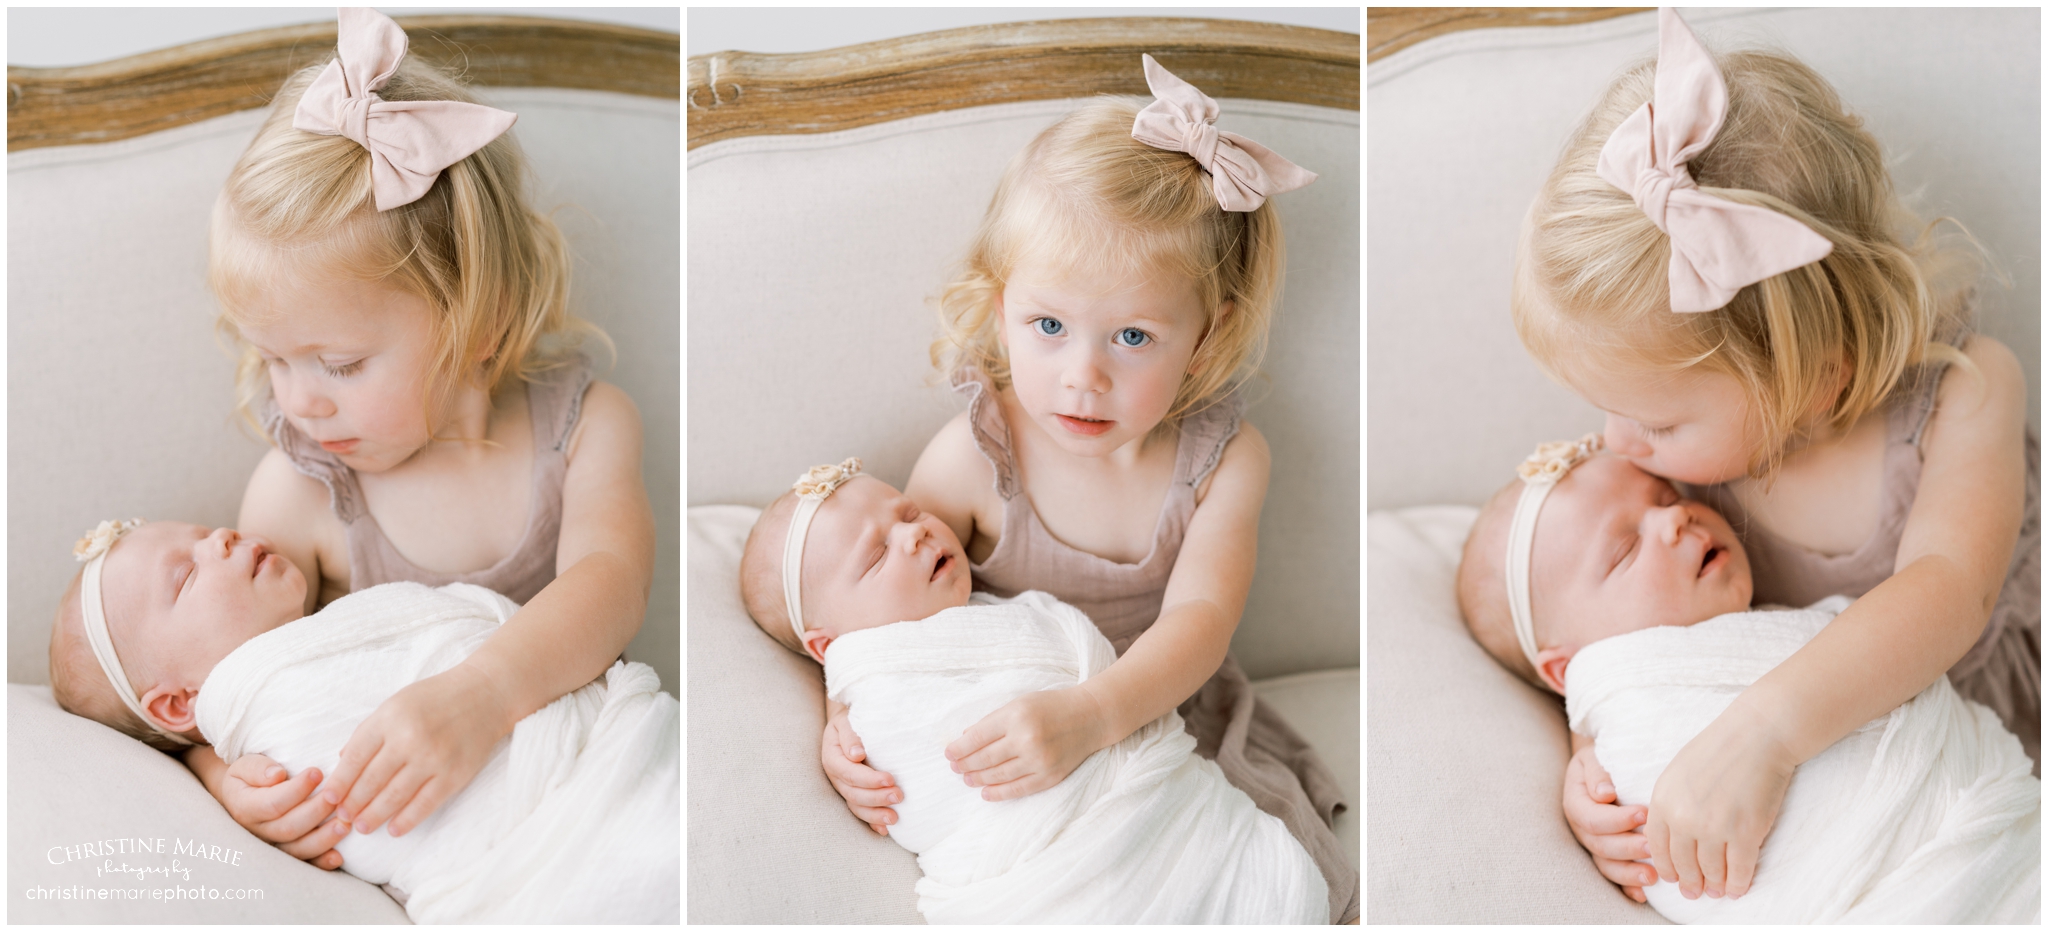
[
  {"x": 1246, "y": 465},
  {"x": 1982, "y": 401}
]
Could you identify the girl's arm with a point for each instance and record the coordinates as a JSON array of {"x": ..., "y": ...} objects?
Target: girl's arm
[
  {"x": 1725, "y": 786},
  {"x": 425, "y": 743},
  {"x": 1035, "y": 741}
]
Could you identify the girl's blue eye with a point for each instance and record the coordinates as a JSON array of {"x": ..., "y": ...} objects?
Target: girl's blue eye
[
  {"x": 1048, "y": 326},
  {"x": 1132, "y": 336}
]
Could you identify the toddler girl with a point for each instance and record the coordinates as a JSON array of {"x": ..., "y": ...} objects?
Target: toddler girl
[
  {"x": 1117, "y": 294},
  {"x": 1717, "y": 261},
  {"x": 401, "y": 313}
]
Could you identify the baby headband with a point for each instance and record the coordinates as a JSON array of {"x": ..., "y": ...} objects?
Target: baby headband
[
  {"x": 410, "y": 141},
  {"x": 812, "y": 488},
  {"x": 1717, "y": 246},
  {"x": 92, "y": 551},
  {"x": 1178, "y": 120},
  {"x": 1540, "y": 473}
]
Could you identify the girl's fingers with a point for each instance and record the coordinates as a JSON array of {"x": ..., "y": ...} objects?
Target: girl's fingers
[
  {"x": 317, "y": 842},
  {"x": 973, "y": 766},
  {"x": 1659, "y": 836},
  {"x": 256, "y": 770},
  {"x": 370, "y": 785},
  {"x": 423, "y": 805},
  {"x": 855, "y": 774},
  {"x": 999, "y": 774},
  {"x": 328, "y": 860},
  {"x": 877, "y": 799},
  {"x": 1626, "y": 846},
  {"x": 354, "y": 757},
  {"x": 1685, "y": 859},
  {"x": 403, "y": 786},
  {"x": 305, "y": 817},
  {"x": 1741, "y": 869},
  {"x": 1589, "y": 818},
  {"x": 972, "y": 740}
]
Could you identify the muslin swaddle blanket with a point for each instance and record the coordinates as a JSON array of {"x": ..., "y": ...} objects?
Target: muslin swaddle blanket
[
  {"x": 1927, "y": 815},
  {"x": 574, "y": 819},
  {"x": 1141, "y": 831}
]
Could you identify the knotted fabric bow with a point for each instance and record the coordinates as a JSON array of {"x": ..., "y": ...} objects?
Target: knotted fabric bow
[
  {"x": 1717, "y": 245},
  {"x": 1180, "y": 118},
  {"x": 410, "y": 141}
]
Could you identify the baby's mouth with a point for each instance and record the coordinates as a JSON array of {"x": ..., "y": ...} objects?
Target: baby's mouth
[
  {"x": 1707, "y": 560},
  {"x": 940, "y": 565}
]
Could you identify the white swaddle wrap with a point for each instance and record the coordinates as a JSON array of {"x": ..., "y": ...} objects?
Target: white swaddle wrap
[
  {"x": 572, "y": 819},
  {"x": 1141, "y": 831},
  {"x": 1927, "y": 815}
]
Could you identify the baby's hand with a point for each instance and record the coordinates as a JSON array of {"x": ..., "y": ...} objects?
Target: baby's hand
[
  {"x": 421, "y": 747},
  {"x": 1712, "y": 808},
  {"x": 1030, "y": 744},
  {"x": 868, "y": 792},
  {"x": 1604, "y": 829},
  {"x": 283, "y": 812}
]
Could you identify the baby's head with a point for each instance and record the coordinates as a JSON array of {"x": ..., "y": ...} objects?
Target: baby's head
[
  {"x": 309, "y": 270},
  {"x": 171, "y": 600},
  {"x": 867, "y": 556},
  {"x": 1800, "y": 351},
  {"x": 1087, "y": 211},
  {"x": 1614, "y": 550}
]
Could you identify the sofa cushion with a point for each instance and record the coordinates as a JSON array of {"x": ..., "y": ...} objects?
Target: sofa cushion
[
  {"x": 83, "y": 800},
  {"x": 1463, "y": 820}
]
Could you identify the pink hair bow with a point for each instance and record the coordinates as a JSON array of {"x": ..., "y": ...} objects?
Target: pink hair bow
[
  {"x": 410, "y": 141},
  {"x": 1717, "y": 246},
  {"x": 1179, "y": 119}
]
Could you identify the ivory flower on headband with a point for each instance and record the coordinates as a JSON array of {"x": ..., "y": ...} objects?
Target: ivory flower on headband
[
  {"x": 101, "y": 539},
  {"x": 1717, "y": 246},
  {"x": 410, "y": 141},
  {"x": 1179, "y": 119}
]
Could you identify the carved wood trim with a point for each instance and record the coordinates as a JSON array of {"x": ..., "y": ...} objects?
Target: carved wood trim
[
  {"x": 1391, "y": 29},
  {"x": 731, "y": 94},
  {"x": 175, "y": 86}
]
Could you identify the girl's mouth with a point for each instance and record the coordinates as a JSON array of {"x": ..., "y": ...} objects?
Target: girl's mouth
[
  {"x": 343, "y": 447},
  {"x": 1085, "y": 426}
]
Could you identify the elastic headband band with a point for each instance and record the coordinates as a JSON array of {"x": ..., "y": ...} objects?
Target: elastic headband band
[
  {"x": 93, "y": 549},
  {"x": 1540, "y": 473},
  {"x": 812, "y": 488}
]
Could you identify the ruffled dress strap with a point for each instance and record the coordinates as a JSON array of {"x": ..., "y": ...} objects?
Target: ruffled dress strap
[
  {"x": 991, "y": 432},
  {"x": 1204, "y": 434}
]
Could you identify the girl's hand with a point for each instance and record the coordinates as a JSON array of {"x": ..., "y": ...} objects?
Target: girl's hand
[
  {"x": 422, "y": 746},
  {"x": 1030, "y": 744},
  {"x": 1712, "y": 808},
  {"x": 868, "y": 792},
  {"x": 283, "y": 812},
  {"x": 1604, "y": 829}
]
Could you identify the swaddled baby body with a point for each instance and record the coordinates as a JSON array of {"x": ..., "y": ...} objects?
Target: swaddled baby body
[
  {"x": 1142, "y": 831},
  {"x": 1638, "y": 608},
  {"x": 556, "y": 826}
]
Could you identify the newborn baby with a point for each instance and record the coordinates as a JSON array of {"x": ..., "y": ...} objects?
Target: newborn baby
[
  {"x": 177, "y": 634},
  {"x": 1600, "y": 582},
  {"x": 1141, "y": 831}
]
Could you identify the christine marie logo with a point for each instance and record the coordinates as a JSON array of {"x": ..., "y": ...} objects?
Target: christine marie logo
[{"x": 108, "y": 848}]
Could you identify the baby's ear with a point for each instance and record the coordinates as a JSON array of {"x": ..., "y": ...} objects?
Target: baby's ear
[
  {"x": 172, "y": 708},
  {"x": 1550, "y": 666},
  {"x": 815, "y": 642}
]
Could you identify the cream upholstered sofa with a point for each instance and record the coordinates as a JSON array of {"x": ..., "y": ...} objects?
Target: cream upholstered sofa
[
  {"x": 120, "y": 399},
  {"x": 1466, "y": 762},
  {"x": 811, "y": 258}
]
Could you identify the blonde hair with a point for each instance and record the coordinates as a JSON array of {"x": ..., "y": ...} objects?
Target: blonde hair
[
  {"x": 1084, "y": 194},
  {"x": 80, "y": 684},
  {"x": 299, "y": 206},
  {"x": 1840, "y": 334}
]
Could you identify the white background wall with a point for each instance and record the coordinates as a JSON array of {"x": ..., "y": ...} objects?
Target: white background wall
[
  {"x": 50, "y": 37},
  {"x": 757, "y": 29}
]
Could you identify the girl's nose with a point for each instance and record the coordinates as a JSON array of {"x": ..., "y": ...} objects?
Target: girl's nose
[
  {"x": 1622, "y": 437},
  {"x": 1084, "y": 374},
  {"x": 299, "y": 400}
]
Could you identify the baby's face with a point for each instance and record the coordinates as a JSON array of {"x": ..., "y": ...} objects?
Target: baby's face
[
  {"x": 180, "y": 597},
  {"x": 1618, "y": 550},
  {"x": 873, "y": 558}
]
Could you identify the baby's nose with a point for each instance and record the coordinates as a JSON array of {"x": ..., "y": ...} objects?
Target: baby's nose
[{"x": 1672, "y": 522}]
